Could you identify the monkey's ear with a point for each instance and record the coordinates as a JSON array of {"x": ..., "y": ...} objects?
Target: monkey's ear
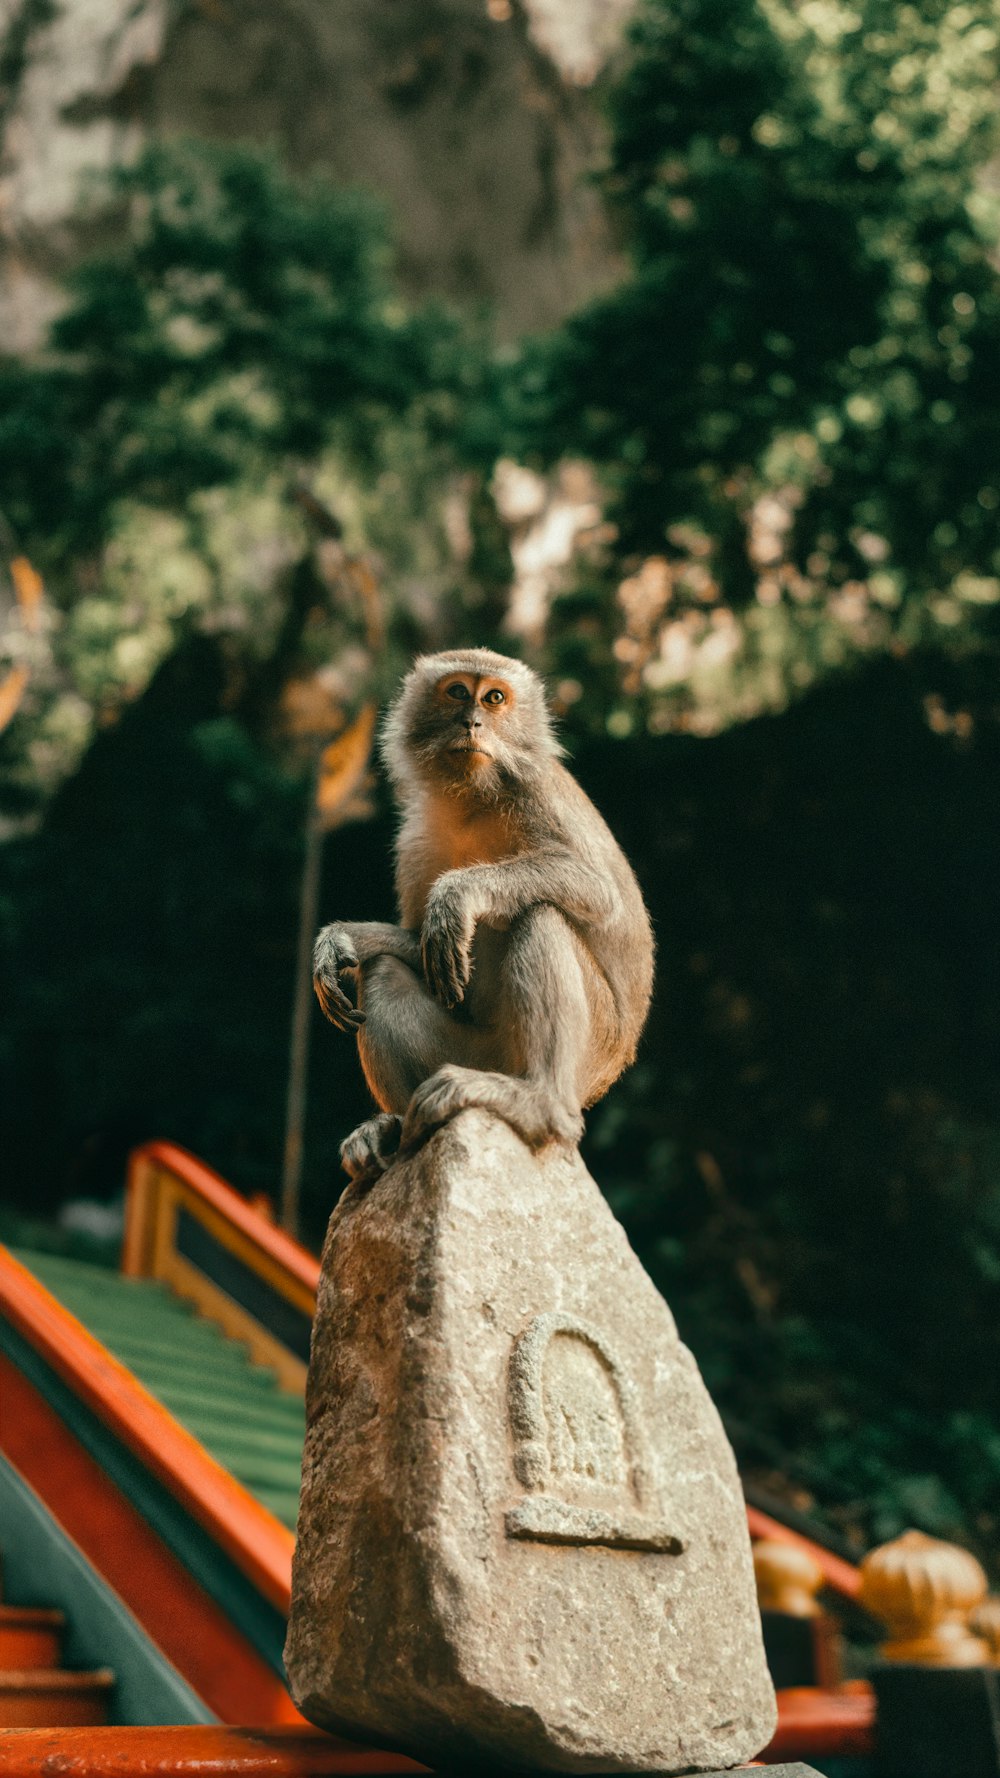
[{"x": 395, "y": 743}]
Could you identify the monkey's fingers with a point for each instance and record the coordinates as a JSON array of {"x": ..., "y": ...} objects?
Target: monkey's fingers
[
  {"x": 460, "y": 968},
  {"x": 432, "y": 955},
  {"x": 353, "y": 1020},
  {"x": 335, "y": 1004},
  {"x": 447, "y": 968},
  {"x": 346, "y": 1021},
  {"x": 429, "y": 959}
]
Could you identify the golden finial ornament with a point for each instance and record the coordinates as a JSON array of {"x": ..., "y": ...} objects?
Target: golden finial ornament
[
  {"x": 787, "y": 1578},
  {"x": 985, "y": 1622},
  {"x": 923, "y": 1591}
]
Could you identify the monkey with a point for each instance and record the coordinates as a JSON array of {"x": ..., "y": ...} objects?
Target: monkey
[{"x": 520, "y": 974}]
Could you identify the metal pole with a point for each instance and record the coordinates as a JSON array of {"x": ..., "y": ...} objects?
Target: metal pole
[{"x": 298, "y": 1067}]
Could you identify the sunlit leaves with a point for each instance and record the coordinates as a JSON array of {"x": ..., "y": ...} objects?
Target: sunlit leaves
[
  {"x": 813, "y": 319},
  {"x": 242, "y": 329}
]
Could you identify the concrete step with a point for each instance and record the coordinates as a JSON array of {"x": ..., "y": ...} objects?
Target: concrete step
[
  {"x": 246, "y": 1383},
  {"x": 207, "y": 1381},
  {"x": 232, "y": 1445},
  {"x": 222, "y": 1357},
  {"x": 52, "y": 1697},
  {"x": 29, "y": 1637},
  {"x": 283, "y": 1503}
]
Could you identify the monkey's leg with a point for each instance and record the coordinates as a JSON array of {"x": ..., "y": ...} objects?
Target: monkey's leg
[
  {"x": 371, "y": 1147},
  {"x": 541, "y": 1042},
  {"x": 407, "y": 1035}
]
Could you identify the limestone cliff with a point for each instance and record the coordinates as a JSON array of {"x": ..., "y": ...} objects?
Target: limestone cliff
[{"x": 474, "y": 119}]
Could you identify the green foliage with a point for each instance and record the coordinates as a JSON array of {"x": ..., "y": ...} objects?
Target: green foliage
[
  {"x": 794, "y": 395},
  {"x": 239, "y": 316},
  {"x": 41, "y": 1236},
  {"x": 244, "y": 330}
]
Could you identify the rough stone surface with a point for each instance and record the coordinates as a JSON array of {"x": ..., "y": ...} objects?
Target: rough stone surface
[
  {"x": 522, "y": 1535},
  {"x": 469, "y": 121}
]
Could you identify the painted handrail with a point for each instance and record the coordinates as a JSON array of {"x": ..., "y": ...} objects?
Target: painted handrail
[
  {"x": 840, "y": 1576},
  {"x": 256, "y": 1542},
  {"x": 191, "y": 1752},
  {"x": 811, "y": 1724},
  {"x": 215, "y": 1191},
  {"x": 187, "y": 1227}
]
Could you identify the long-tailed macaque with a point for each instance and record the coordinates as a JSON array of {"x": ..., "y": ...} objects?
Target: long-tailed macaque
[{"x": 520, "y": 974}]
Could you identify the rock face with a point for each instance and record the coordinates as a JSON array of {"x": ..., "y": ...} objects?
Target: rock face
[
  {"x": 471, "y": 121},
  {"x": 522, "y": 1535}
]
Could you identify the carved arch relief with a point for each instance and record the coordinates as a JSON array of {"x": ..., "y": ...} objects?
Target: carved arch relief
[{"x": 578, "y": 1442}]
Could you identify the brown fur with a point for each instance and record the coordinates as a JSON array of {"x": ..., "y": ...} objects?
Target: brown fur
[{"x": 520, "y": 975}]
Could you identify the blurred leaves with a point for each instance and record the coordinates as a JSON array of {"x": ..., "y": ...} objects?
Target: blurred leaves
[
  {"x": 244, "y": 329},
  {"x": 794, "y": 396}
]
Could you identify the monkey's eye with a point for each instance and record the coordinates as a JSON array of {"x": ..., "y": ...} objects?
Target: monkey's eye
[
  {"x": 459, "y": 692},
  {"x": 494, "y": 697}
]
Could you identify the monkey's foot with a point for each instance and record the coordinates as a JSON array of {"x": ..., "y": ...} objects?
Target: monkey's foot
[
  {"x": 369, "y": 1149},
  {"x": 530, "y": 1109}
]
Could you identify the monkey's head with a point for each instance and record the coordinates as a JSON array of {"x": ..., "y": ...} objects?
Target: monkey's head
[{"x": 468, "y": 719}]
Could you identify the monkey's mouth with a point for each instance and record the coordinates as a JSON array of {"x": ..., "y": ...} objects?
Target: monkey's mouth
[{"x": 470, "y": 747}]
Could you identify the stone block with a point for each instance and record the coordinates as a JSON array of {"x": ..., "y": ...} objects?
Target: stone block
[{"x": 522, "y": 1537}]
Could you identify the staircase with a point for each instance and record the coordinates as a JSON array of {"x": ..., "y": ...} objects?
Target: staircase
[
  {"x": 35, "y": 1691},
  {"x": 205, "y": 1572},
  {"x": 233, "y": 1407}
]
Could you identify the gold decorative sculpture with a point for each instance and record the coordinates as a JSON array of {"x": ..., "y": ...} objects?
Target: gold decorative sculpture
[
  {"x": 923, "y": 1591},
  {"x": 787, "y": 1578}
]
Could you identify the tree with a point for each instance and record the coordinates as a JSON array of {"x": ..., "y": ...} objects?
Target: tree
[
  {"x": 793, "y": 396},
  {"x": 243, "y": 331}
]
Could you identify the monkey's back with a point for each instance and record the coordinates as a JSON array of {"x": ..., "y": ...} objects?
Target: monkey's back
[{"x": 622, "y": 942}]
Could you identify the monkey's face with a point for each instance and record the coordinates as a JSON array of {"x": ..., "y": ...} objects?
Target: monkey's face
[
  {"x": 469, "y": 719},
  {"x": 475, "y": 719}
]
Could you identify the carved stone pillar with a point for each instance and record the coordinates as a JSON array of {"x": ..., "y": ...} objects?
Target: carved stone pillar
[{"x": 522, "y": 1533}]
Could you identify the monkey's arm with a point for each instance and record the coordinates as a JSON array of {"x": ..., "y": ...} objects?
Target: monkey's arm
[
  {"x": 460, "y": 899},
  {"x": 346, "y": 944}
]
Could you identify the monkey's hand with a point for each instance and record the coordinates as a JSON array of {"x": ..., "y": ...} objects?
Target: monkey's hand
[
  {"x": 446, "y": 940},
  {"x": 333, "y": 953}
]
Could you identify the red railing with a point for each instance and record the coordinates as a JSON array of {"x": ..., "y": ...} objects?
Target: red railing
[
  {"x": 811, "y": 1725},
  {"x": 814, "y": 1724},
  {"x": 260, "y": 1547},
  {"x": 841, "y": 1577},
  {"x": 190, "y": 1753}
]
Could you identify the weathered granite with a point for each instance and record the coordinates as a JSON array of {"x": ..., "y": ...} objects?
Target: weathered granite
[{"x": 522, "y": 1536}]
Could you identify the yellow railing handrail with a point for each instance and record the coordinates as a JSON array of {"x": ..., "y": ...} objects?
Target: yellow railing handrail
[
  {"x": 213, "y": 1190},
  {"x": 246, "y": 1265}
]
